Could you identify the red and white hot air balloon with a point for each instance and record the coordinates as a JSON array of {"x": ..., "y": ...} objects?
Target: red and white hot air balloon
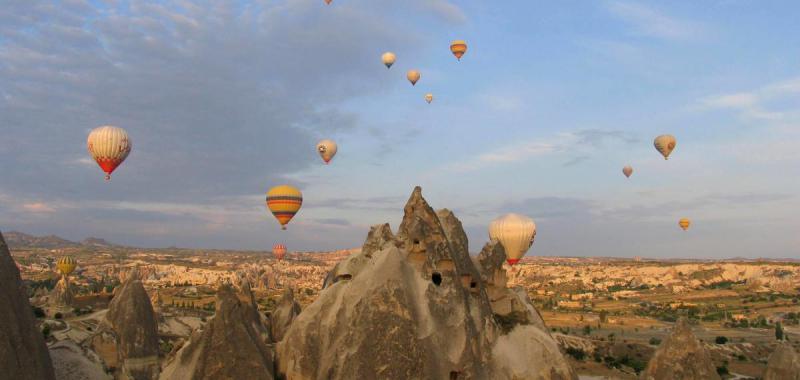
[
  {"x": 109, "y": 146},
  {"x": 279, "y": 251}
]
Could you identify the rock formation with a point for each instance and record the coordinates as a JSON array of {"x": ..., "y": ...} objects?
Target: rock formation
[
  {"x": 284, "y": 314},
  {"x": 135, "y": 329},
  {"x": 681, "y": 356},
  {"x": 71, "y": 362},
  {"x": 62, "y": 294},
  {"x": 230, "y": 346},
  {"x": 784, "y": 364},
  {"x": 23, "y": 354},
  {"x": 415, "y": 306}
]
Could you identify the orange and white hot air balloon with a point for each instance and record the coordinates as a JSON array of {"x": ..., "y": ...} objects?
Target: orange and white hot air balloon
[
  {"x": 429, "y": 98},
  {"x": 328, "y": 2},
  {"x": 413, "y": 76},
  {"x": 279, "y": 251},
  {"x": 284, "y": 202},
  {"x": 388, "y": 59},
  {"x": 665, "y": 144},
  {"x": 627, "y": 170},
  {"x": 327, "y": 149},
  {"x": 684, "y": 223},
  {"x": 458, "y": 48},
  {"x": 515, "y": 232},
  {"x": 109, "y": 147}
]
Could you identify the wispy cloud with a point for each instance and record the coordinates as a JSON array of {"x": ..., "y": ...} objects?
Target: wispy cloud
[
  {"x": 654, "y": 23},
  {"x": 754, "y": 104},
  {"x": 38, "y": 207},
  {"x": 445, "y": 10}
]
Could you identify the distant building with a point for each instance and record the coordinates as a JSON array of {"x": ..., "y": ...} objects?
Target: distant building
[{"x": 570, "y": 304}]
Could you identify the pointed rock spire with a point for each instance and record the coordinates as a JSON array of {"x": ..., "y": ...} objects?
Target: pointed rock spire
[{"x": 681, "y": 356}]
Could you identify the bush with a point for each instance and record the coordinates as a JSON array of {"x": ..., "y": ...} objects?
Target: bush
[
  {"x": 722, "y": 370},
  {"x": 721, "y": 340},
  {"x": 38, "y": 312},
  {"x": 654, "y": 341},
  {"x": 741, "y": 358},
  {"x": 576, "y": 353},
  {"x": 58, "y": 316},
  {"x": 46, "y": 331}
]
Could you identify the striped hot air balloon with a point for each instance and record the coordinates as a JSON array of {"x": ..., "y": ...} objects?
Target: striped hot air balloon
[
  {"x": 109, "y": 146},
  {"x": 684, "y": 223},
  {"x": 284, "y": 201},
  {"x": 66, "y": 265},
  {"x": 515, "y": 232},
  {"x": 279, "y": 251},
  {"x": 458, "y": 48}
]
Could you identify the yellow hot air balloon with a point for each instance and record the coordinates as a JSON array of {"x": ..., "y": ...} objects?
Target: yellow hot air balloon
[
  {"x": 429, "y": 98},
  {"x": 458, "y": 47},
  {"x": 413, "y": 76},
  {"x": 665, "y": 144},
  {"x": 388, "y": 59},
  {"x": 66, "y": 265},
  {"x": 109, "y": 147},
  {"x": 515, "y": 232},
  {"x": 327, "y": 149},
  {"x": 284, "y": 201},
  {"x": 627, "y": 170},
  {"x": 684, "y": 223}
]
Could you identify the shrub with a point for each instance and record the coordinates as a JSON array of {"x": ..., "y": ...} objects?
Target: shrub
[
  {"x": 38, "y": 312},
  {"x": 576, "y": 353},
  {"x": 58, "y": 316},
  {"x": 46, "y": 331},
  {"x": 654, "y": 341},
  {"x": 721, "y": 340},
  {"x": 722, "y": 370}
]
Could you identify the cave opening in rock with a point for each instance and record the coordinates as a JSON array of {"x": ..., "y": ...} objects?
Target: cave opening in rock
[
  {"x": 473, "y": 284},
  {"x": 436, "y": 277}
]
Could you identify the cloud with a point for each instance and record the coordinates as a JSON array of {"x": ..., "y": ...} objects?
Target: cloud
[
  {"x": 38, "y": 207},
  {"x": 445, "y": 10},
  {"x": 756, "y": 104},
  {"x": 332, "y": 221},
  {"x": 651, "y": 22}
]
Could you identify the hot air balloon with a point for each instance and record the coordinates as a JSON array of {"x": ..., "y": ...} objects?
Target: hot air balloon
[
  {"x": 109, "y": 146},
  {"x": 327, "y": 149},
  {"x": 413, "y": 76},
  {"x": 458, "y": 47},
  {"x": 515, "y": 232},
  {"x": 665, "y": 144},
  {"x": 279, "y": 250},
  {"x": 284, "y": 201},
  {"x": 429, "y": 98},
  {"x": 328, "y": 2},
  {"x": 66, "y": 265},
  {"x": 627, "y": 170},
  {"x": 684, "y": 223},
  {"x": 388, "y": 59}
]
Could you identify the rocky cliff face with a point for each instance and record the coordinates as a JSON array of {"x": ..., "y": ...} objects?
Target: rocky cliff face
[
  {"x": 23, "y": 354},
  {"x": 414, "y": 306},
  {"x": 230, "y": 346},
  {"x": 680, "y": 357},
  {"x": 135, "y": 329},
  {"x": 288, "y": 309},
  {"x": 784, "y": 364}
]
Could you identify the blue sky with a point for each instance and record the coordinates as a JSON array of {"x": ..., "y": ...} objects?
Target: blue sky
[{"x": 225, "y": 99}]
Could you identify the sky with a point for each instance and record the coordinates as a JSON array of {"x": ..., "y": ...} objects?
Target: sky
[{"x": 224, "y": 99}]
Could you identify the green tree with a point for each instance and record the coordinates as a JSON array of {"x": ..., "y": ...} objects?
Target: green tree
[
  {"x": 721, "y": 340},
  {"x": 603, "y": 316},
  {"x": 587, "y": 330},
  {"x": 778, "y": 331}
]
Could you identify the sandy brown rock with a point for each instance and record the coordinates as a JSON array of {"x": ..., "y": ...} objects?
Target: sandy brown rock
[
  {"x": 230, "y": 346},
  {"x": 783, "y": 364},
  {"x": 412, "y": 306},
  {"x": 680, "y": 357},
  {"x": 23, "y": 354},
  {"x": 62, "y": 294},
  {"x": 71, "y": 362},
  {"x": 135, "y": 330},
  {"x": 288, "y": 309}
]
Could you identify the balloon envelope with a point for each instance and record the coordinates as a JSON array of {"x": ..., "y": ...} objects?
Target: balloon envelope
[
  {"x": 515, "y": 232},
  {"x": 665, "y": 144},
  {"x": 284, "y": 202},
  {"x": 684, "y": 223},
  {"x": 388, "y": 59},
  {"x": 458, "y": 48},
  {"x": 413, "y": 76},
  {"x": 109, "y": 147},
  {"x": 429, "y": 98},
  {"x": 328, "y": 2},
  {"x": 627, "y": 170},
  {"x": 66, "y": 265},
  {"x": 327, "y": 149},
  {"x": 279, "y": 251}
]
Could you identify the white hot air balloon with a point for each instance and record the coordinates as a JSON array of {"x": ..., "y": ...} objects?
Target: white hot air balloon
[
  {"x": 109, "y": 146},
  {"x": 327, "y": 149},
  {"x": 515, "y": 232}
]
